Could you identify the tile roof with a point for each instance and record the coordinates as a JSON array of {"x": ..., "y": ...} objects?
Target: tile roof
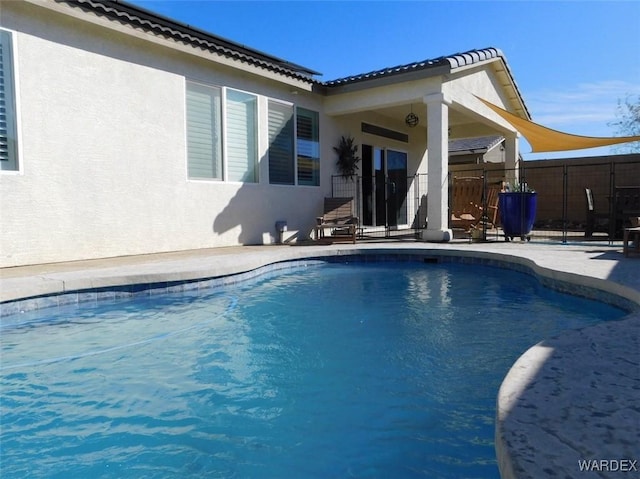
[
  {"x": 451, "y": 62},
  {"x": 151, "y": 22}
]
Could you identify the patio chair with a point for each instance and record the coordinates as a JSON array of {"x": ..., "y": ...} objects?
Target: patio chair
[
  {"x": 491, "y": 215},
  {"x": 339, "y": 218},
  {"x": 626, "y": 205},
  {"x": 594, "y": 220},
  {"x": 467, "y": 209},
  {"x": 631, "y": 237}
]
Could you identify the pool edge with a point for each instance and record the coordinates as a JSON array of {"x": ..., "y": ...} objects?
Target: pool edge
[{"x": 37, "y": 292}]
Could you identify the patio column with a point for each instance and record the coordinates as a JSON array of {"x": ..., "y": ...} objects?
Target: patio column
[
  {"x": 511, "y": 157},
  {"x": 438, "y": 168}
]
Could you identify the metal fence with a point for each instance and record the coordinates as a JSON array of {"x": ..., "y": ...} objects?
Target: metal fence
[
  {"x": 584, "y": 202},
  {"x": 387, "y": 207},
  {"x": 589, "y": 201}
]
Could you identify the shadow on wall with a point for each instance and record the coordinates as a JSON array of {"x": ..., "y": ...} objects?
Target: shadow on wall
[{"x": 255, "y": 209}]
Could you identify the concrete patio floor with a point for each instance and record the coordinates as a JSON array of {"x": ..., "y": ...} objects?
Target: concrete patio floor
[{"x": 568, "y": 399}]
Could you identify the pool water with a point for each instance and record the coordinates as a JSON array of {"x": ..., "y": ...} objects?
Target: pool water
[{"x": 330, "y": 371}]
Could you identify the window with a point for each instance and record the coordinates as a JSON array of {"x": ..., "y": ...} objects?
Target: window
[
  {"x": 294, "y": 146},
  {"x": 282, "y": 166},
  {"x": 242, "y": 145},
  {"x": 8, "y": 127},
  {"x": 204, "y": 134},
  {"x": 308, "y": 144},
  {"x": 281, "y": 144},
  {"x": 204, "y": 131}
]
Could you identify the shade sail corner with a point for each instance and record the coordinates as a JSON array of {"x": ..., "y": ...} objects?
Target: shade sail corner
[{"x": 544, "y": 140}]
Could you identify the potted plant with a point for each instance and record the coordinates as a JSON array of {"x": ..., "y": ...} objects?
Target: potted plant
[
  {"x": 517, "y": 211},
  {"x": 347, "y": 156}
]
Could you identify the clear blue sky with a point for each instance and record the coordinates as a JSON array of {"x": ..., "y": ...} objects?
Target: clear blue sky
[{"x": 572, "y": 60}]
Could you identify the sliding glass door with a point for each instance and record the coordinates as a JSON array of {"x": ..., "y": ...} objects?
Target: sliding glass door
[{"x": 384, "y": 187}]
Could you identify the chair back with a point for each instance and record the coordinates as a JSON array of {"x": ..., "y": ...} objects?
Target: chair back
[
  {"x": 466, "y": 195},
  {"x": 338, "y": 210}
]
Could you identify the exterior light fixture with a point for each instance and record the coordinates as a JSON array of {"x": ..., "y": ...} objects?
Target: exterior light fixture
[{"x": 411, "y": 119}]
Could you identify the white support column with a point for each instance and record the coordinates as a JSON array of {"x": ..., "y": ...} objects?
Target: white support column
[
  {"x": 438, "y": 164},
  {"x": 511, "y": 158}
]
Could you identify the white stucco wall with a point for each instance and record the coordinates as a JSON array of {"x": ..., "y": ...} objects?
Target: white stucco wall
[
  {"x": 415, "y": 147},
  {"x": 103, "y": 150}
]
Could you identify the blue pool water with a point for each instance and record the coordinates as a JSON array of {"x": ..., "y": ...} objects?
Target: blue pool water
[{"x": 332, "y": 371}]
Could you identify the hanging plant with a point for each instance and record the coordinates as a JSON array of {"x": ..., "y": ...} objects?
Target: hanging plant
[{"x": 347, "y": 157}]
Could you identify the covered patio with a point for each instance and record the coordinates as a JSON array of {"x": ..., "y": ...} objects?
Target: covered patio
[
  {"x": 412, "y": 111},
  {"x": 417, "y": 109}
]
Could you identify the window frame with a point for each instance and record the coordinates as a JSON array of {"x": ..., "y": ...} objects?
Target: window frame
[
  {"x": 13, "y": 117},
  {"x": 223, "y": 133},
  {"x": 294, "y": 165},
  {"x": 220, "y": 89},
  {"x": 225, "y": 136},
  {"x": 296, "y": 149},
  {"x": 261, "y": 110},
  {"x": 314, "y": 159}
]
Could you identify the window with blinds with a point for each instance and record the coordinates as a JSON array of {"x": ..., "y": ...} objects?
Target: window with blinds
[
  {"x": 242, "y": 145},
  {"x": 8, "y": 127},
  {"x": 204, "y": 131},
  {"x": 308, "y": 146},
  {"x": 294, "y": 140},
  {"x": 281, "y": 144}
]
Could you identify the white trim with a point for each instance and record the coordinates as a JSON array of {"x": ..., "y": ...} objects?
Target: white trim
[
  {"x": 17, "y": 107},
  {"x": 209, "y": 86},
  {"x": 225, "y": 144},
  {"x": 292, "y": 105}
]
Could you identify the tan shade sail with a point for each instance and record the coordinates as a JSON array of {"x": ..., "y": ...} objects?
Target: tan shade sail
[{"x": 543, "y": 139}]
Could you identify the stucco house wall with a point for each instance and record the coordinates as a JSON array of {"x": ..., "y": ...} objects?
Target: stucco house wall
[{"x": 103, "y": 150}]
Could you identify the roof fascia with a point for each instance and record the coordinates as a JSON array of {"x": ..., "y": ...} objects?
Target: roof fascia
[
  {"x": 279, "y": 73},
  {"x": 495, "y": 144},
  {"x": 516, "y": 97},
  {"x": 384, "y": 80},
  {"x": 468, "y": 152},
  {"x": 502, "y": 70},
  {"x": 189, "y": 29}
]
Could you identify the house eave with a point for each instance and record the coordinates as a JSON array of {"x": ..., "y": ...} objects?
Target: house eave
[
  {"x": 142, "y": 23},
  {"x": 478, "y": 151},
  {"x": 375, "y": 80}
]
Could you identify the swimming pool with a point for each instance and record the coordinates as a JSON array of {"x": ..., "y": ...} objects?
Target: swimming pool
[{"x": 363, "y": 370}]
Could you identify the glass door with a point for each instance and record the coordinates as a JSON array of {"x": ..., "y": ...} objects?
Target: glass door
[
  {"x": 384, "y": 187},
  {"x": 396, "y": 175}
]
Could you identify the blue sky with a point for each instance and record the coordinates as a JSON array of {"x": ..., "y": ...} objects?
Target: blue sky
[{"x": 572, "y": 60}]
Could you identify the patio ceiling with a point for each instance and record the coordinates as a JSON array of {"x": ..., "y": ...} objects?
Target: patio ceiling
[{"x": 460, "y": 124}]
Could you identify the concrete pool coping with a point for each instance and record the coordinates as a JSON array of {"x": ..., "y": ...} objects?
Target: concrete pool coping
[{"x": 567, "y": 399}]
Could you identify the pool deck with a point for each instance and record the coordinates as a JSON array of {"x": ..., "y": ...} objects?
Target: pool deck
[{"x": 568, "y": 399}]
